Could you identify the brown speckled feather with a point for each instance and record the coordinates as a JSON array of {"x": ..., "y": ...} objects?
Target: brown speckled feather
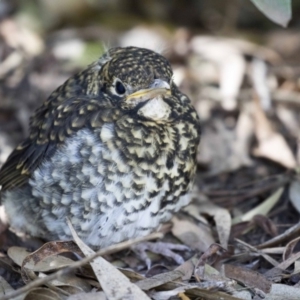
[
  {"x": 50, "y": 126},
  {"x": 62, "y": 114}
]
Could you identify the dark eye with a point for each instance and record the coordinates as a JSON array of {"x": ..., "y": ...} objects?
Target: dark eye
[{"x": 120, "y": 88}]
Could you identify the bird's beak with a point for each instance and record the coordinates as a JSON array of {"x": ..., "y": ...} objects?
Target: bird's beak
[{"x": 159, "y": 87}]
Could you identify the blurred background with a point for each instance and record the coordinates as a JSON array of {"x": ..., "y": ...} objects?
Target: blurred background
[{"x": 240, "y": 69}]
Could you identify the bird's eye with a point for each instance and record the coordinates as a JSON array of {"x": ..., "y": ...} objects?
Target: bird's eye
[{"x": 120, "y": 88}]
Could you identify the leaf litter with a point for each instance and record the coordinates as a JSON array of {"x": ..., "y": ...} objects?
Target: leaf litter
[{"x": 241, "y": 227}]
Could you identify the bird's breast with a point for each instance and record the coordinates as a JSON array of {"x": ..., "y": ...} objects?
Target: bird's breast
[{"x": 119, "y": 163}]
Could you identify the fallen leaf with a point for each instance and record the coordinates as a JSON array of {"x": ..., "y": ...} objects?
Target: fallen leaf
[
  {"x": 294, "y": 194},
  {"x": 271, "y": 144},
  {"x": 43, "y": 294},
  {"x": 208, "y": 257},
  {"x": 276, "y": 273},
  {"x": 221, "y": 217},
  {"x": 187, "y": 268},
  {"x": 159, "y": 279},
  {"x": 70, "y": 281},
  {"x": 114, "y": 284},
  {"x": 289, "y": 248},
  {"x": 88, "y": 296},
  {"x": 196, "y": 237},
  {"x": 266, "y": 224},
  {"x": 248, "y": 277}
]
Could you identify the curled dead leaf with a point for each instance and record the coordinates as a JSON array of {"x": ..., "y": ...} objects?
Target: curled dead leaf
[{"x": 221, "y": 217}]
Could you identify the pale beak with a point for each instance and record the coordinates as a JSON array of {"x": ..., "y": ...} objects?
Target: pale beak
[{"x": 159, "y": 87}]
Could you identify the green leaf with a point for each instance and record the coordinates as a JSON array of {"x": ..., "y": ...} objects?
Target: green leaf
[{"x": 279, "y": 11}]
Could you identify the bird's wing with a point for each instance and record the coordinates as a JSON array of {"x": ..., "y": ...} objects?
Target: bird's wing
[
  {"x": 49, "y": 128},
  {"x": 22, "y": 162}
]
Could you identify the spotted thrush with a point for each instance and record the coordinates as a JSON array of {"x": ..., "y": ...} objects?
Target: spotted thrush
[{"x": 113, "y": 150}]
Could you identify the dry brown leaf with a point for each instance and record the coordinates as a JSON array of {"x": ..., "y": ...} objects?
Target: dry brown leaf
[
  {"x": 248, "y": 277},
  {"x": 70, "y": 281},
  {"x": 183, "y": 272},
  {"x": 44, "y": 259},
  {"x": 159, "y": 279},
  {"x": 196, "y": 237},
  {"x": 51, "y": 263},
  {"x": 221, "y": 216},
  {"x": 266, "y": 224},
  {"x": 203, "y": 289},
  {"x": 37, "y": 262},
  {"x": 208, "y": 294},
  {"x": 208, "y": 257},
  {"x": 271, "y": 144},
  {"x": 133, "y": 276},
  {"x": 187, "y": 269},
  {"x": 88, "y": 296},
  {"x": 44, "y": 254},
  {"x": 212, "y": 275},
  {"x": 239, "y": 229},
  {"x": 289, "y": 248},
  {"x": 43, "y": 294},
  {"x": 114, "y": 284}
]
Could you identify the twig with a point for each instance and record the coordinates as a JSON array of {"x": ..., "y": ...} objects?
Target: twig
[
  {"x": 77, "y": 264},
  {"x": 291, "y": 232}
]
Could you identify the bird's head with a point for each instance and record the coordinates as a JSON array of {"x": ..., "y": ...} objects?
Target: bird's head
[{"x": 138, "y": 81}]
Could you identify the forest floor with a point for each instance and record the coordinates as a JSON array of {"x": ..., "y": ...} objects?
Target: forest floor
[{"x": 242, "y": 226}]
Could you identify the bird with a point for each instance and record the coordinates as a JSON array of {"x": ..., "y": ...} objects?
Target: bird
[{"x": 113, "y": 149}]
